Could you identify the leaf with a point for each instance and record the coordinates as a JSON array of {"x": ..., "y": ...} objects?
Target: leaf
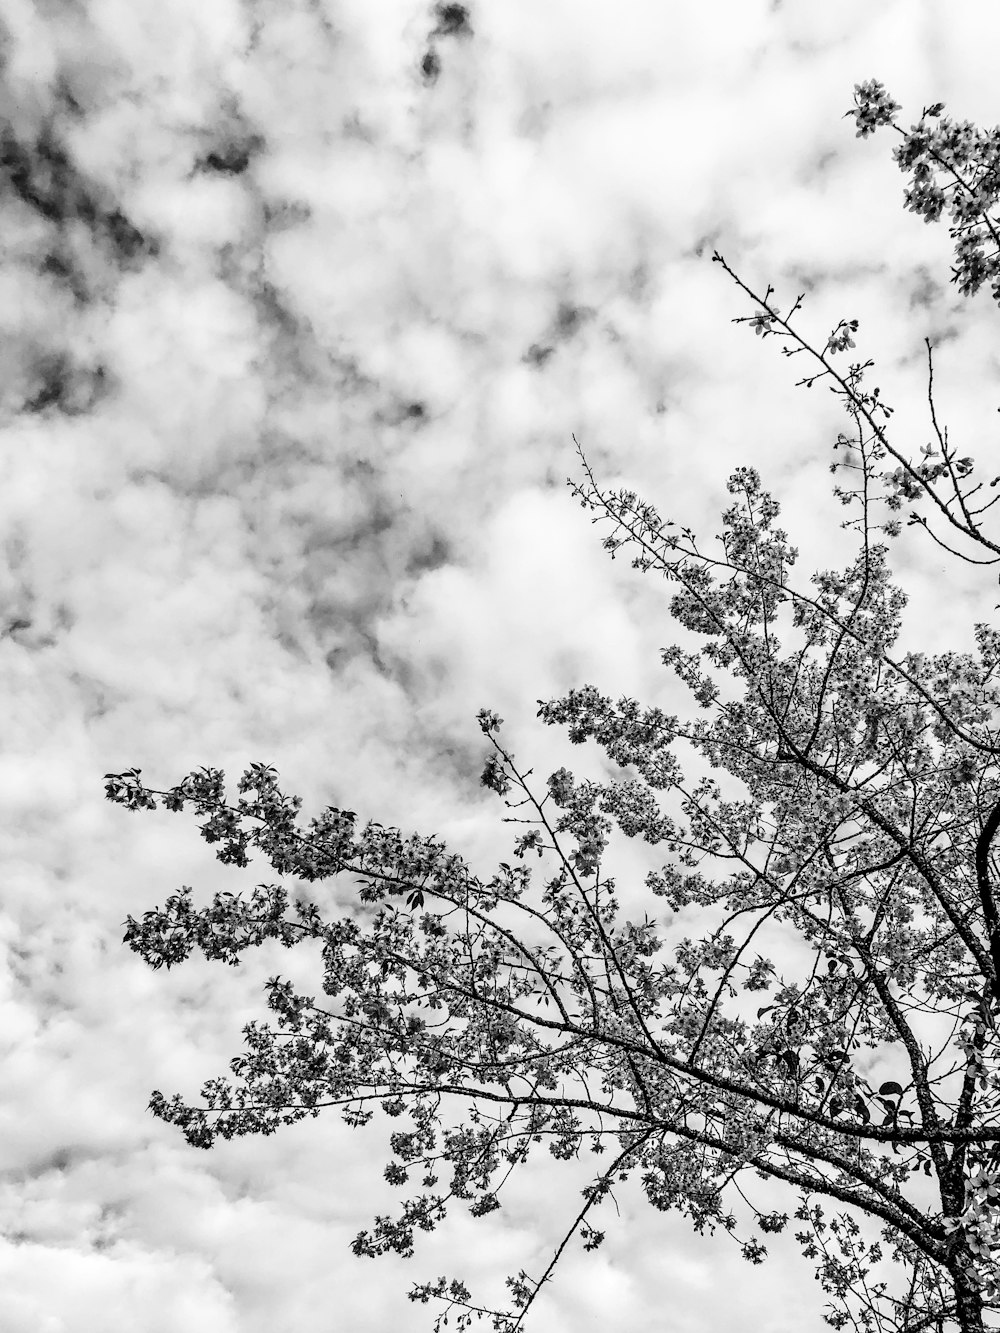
[
  {"x": 891, "y": 1089},
  {"x": 835, "y": 1059},
  {"x": 791, "y": 1059}
]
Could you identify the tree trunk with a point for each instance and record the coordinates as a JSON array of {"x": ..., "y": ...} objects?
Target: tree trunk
[{"x": 968, "y": 1302}]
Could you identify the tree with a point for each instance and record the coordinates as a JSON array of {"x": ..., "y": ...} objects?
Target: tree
[
  {"x": 867, "y": 1082},
  {"x": 955, "y": 166}
]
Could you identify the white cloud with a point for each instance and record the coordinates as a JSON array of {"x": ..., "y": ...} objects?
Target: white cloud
[{"x": 315, "y": 515}]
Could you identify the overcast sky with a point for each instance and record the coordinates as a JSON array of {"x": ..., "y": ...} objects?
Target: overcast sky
[{"x": 294, "y": 340}]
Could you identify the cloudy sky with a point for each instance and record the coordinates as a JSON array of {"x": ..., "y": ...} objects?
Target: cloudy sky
[{"x": 301, "y": 307}]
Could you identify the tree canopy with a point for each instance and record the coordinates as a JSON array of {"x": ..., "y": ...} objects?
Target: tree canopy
[{"x": 492, "y": 1015}]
